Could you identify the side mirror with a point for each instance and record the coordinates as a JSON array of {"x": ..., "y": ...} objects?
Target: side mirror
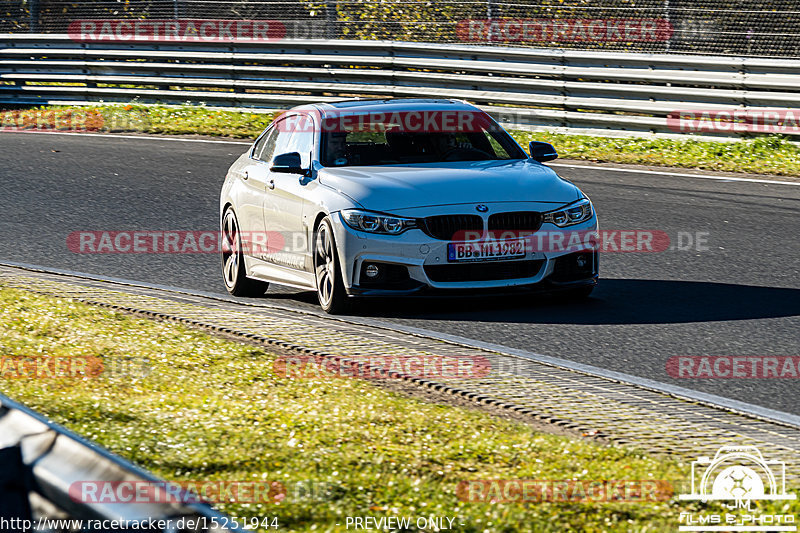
[
  {"x": 287, "y": 163},
  {"x": 542, "y": 152}
]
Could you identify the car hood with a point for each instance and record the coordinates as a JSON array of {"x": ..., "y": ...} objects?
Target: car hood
[{"x": 392, "y": 187}]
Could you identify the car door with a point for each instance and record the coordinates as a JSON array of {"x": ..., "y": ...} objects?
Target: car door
[
  {"x": 286, "y": 194},
  {"x": 252, "y": 193},
  {"x": 269, "y": 241}
]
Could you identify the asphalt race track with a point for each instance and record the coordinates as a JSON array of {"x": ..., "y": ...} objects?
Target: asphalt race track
[{"x": 741, "y": 297}]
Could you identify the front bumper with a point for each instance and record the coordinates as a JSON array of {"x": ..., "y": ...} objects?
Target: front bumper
[
  {"x": 415, "y": 263},
  {"x": 542, "y": 287}
]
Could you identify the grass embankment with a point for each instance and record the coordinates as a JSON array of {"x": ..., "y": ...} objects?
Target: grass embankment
[
  {"x": 213, "y": 409},
  {"x": 764, "y": 155}
]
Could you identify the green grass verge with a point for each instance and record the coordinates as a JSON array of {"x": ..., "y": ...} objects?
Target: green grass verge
[
  {"x": 212, "y": 409},
  {"x": 763, "y": 155}
]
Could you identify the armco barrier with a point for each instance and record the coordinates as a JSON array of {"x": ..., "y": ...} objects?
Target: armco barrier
[
  {"x": 47, "y": 459},
  {"x": 554, "y": 89}
]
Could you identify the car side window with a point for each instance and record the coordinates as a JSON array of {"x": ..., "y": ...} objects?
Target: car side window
[
  {"x": 284, "y": 130},
  {"x": 265, "y": 147},
  {"x": 302, "y": 140},
  {"x": 499, "y": 151}
]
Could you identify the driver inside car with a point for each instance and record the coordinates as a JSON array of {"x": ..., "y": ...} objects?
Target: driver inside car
[
  {"x": 337, "y": 148},
  {"x": 443, "y": 143}
]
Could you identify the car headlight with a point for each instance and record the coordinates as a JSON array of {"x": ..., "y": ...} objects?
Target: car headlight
[
  {"x": 377, "y": 222},
  {"x": 576, "y": 213}
]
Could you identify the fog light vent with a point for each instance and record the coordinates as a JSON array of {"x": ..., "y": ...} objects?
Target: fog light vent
[{"x": 372, "y": 271}]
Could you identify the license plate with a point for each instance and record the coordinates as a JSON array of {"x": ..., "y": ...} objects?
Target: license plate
[{"x": 485, "y": 250}]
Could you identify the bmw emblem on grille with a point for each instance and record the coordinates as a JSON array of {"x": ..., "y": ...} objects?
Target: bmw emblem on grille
[{"x": 482, "y": 208}]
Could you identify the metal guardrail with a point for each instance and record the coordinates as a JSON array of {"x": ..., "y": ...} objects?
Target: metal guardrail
[
  {"x": 553, "y": 89},
  {"x": 47, "y": 459}
]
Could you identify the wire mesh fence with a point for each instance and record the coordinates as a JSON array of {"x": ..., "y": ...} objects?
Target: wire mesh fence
[{"x": 720, "y": 27}]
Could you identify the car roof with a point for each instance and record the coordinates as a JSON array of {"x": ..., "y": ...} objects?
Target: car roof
[{"x": 388, "y": 105}]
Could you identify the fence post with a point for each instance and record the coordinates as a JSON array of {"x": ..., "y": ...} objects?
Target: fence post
[
  {"x": 33, "y": 25},
  {"x": 331, "y": 16}
]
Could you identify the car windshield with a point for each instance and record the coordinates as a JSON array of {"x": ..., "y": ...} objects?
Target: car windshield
[{"x": 392, "y": 139}]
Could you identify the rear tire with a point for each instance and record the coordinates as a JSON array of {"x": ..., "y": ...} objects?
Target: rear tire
[
  {"x": 327, "y": 271},
  {"x": 234, "y": 273}
]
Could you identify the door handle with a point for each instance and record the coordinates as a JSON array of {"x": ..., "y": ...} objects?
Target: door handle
[
  {"x": 271, "y": 184},
  {"x": 246, "y": 175}
]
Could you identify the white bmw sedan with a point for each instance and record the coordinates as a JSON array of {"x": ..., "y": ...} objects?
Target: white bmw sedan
[{"x": 400, "y": 197}]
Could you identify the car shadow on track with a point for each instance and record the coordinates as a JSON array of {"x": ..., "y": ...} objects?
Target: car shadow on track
[{"x": 614, "y": 301}]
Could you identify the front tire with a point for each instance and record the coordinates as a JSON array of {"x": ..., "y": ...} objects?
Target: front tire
[
  {"x": 233, "y": 270},
  {"x": 330, "y": 287}
]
